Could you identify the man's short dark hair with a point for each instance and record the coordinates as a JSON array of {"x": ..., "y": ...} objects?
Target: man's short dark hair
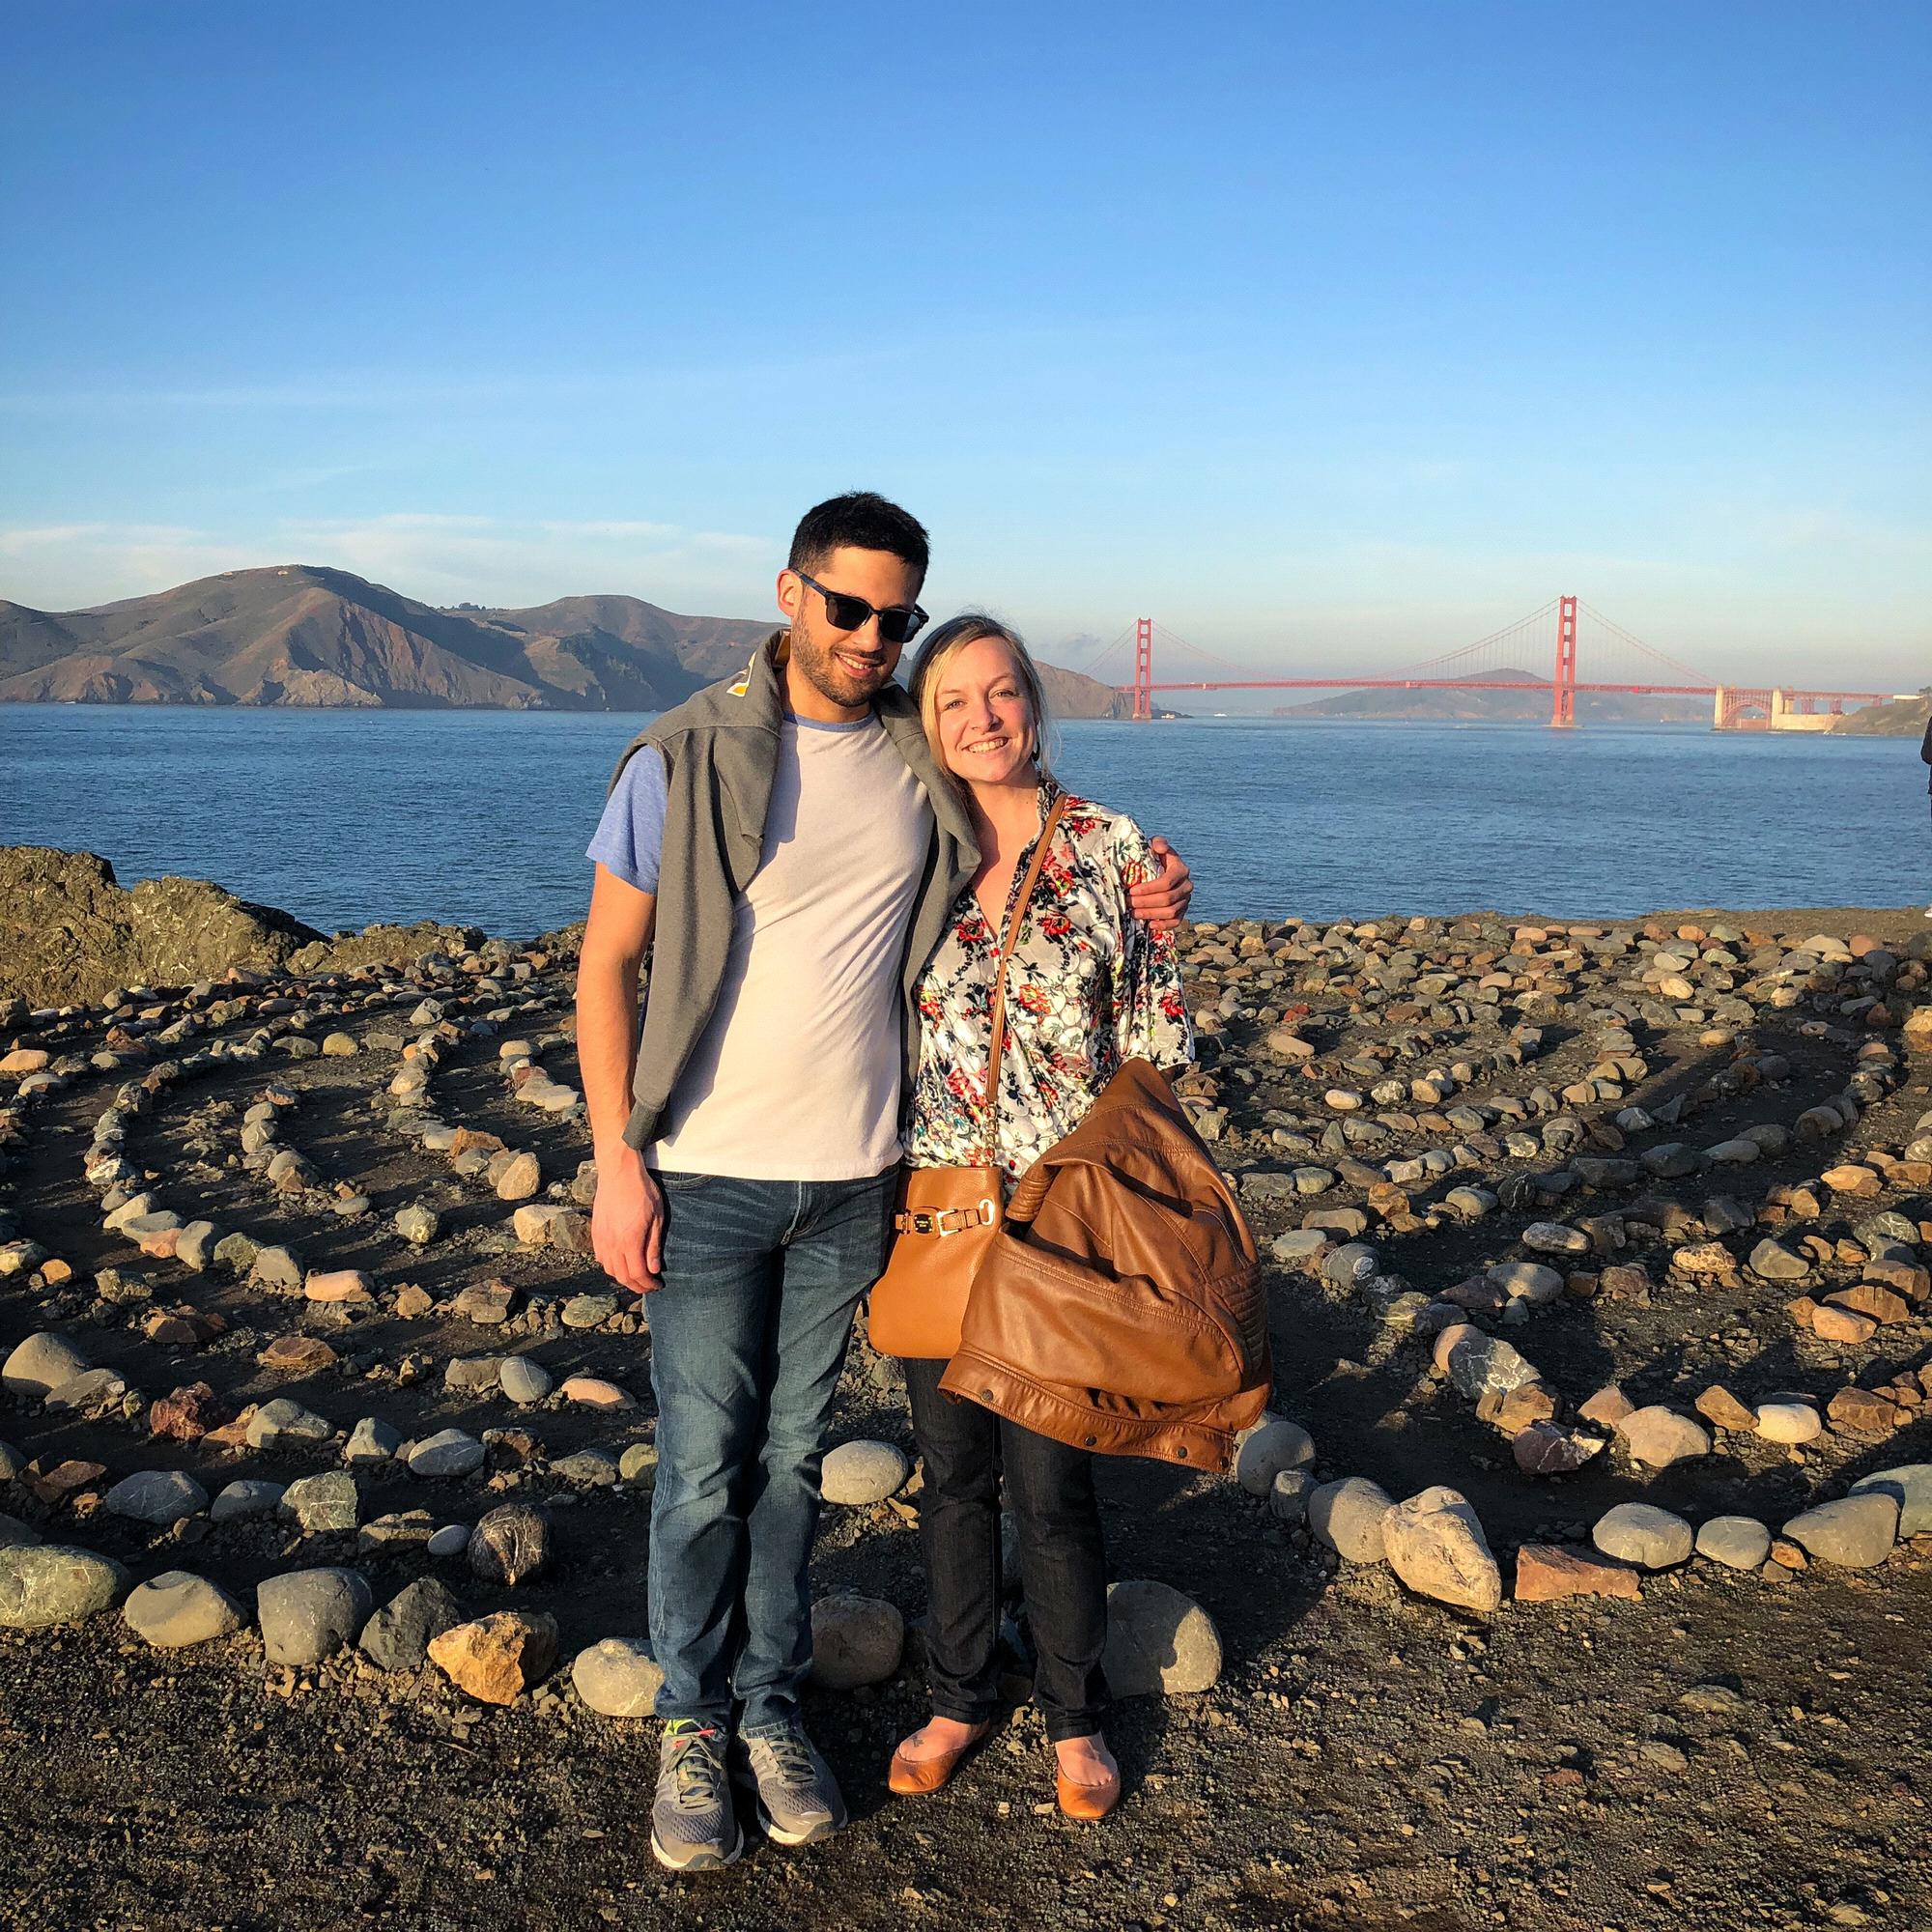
[{"x": 861, "y": 519}]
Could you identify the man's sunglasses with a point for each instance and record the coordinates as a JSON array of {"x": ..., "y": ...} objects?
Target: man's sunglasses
[{"x": 898, "y": 623}]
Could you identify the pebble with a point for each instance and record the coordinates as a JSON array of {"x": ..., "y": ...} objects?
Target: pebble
[
  {"x": 860, "y": 1472},
  {"x": 451, "y": 1540},
  {"x": 1159, "y": 1642},
  {"x": 617, "y": 1677},
  {"x": 177, "y": 1608},
  {"x": 306, "y": 1615},
  {"x": 1289, "y": 1497},
  {"x": 1642, "y": 1533}
]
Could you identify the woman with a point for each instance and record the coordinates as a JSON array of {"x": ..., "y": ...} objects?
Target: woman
[{"x": 1088, "y": 988}]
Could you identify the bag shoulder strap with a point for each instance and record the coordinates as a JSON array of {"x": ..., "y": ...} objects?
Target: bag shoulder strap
[{"x": 1008, "y": 939}]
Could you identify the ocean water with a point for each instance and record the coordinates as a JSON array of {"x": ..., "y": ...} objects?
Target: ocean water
[{"x": 480, "y": 817}]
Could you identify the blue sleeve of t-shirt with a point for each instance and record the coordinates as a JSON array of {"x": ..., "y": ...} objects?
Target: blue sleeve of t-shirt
[{"x": 630, "y": 835}]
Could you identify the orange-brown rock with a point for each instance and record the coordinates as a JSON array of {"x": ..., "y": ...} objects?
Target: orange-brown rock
[
  {"x": 1546, "y": 1572},
  {"x": 68, "y": 1479},
  {"x": 183, "y": 1415},
  {"x": 1719, "y": 1407},
  {"x": 295, "y": 1354},
  {"x": 1841, "y": 1325},
  {"x": 497, "y": 1657},
  {"x": 1859, "y": 1411},
  {"x": 1869, "y": 1299}
]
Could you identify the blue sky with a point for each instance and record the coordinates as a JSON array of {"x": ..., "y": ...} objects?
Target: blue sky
[{"x": 1330, "y": 336}]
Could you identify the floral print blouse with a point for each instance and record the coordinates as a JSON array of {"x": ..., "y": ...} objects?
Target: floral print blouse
[{"x": 1089, "y": 986}]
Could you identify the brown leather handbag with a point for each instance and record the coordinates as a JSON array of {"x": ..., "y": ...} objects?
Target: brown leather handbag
[{"x": 946, "y": 1217}]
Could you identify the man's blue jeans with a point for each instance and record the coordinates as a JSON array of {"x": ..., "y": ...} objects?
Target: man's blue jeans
[{"x": 748, "y": 1336}]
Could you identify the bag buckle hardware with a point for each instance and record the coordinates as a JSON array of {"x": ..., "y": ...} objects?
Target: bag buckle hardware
[{"x": 922, "y": 1223}]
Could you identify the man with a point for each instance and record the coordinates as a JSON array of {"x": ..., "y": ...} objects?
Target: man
[{"x": 786, "y": 847}]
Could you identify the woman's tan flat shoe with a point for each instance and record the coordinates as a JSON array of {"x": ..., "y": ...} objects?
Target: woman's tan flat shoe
[
  {"x": 1087, "y": 1803},
  {"x": 915, "y": 1776}
]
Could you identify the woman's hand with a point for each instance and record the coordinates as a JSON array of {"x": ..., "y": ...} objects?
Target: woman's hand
[{"x": 1163, "y": 901}]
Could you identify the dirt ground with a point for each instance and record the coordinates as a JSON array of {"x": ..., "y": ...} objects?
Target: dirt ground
[{"x": 1728, "y": 1751}]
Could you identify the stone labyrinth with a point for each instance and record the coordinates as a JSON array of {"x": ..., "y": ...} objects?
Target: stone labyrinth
[{"x": 305, "y": 1353}]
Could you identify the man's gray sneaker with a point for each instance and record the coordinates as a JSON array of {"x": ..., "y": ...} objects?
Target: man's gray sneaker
[
  {"x": 798, "y": 1797},
  {"x": 692, "y": 1825}
]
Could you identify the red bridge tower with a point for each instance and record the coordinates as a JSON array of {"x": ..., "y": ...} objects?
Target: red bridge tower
[{"x": 1563, "y": 710}]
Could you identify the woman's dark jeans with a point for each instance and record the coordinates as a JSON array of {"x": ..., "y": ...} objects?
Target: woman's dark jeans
[{"x": 1063, "y": 1566}]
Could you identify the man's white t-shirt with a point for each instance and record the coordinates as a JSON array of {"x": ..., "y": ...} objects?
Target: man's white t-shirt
[{"x": 797, "y": 1075}]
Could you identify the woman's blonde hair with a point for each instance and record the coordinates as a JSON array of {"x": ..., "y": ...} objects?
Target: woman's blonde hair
[{"x": 944, "y": 643}]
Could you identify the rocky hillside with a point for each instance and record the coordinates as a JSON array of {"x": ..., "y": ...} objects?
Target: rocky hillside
[
  {"x": 70, "y": 933},
  {"x": 1902, "y": 718},
  {"x": 303, "y": 635},
  {"x": 306, "y": 634}
]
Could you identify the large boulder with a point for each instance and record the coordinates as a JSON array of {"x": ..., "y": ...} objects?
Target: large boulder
[{"x": 70, "y": 933}]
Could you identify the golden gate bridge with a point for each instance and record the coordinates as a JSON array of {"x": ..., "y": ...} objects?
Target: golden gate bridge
[{"x": 1620, "y": 662}]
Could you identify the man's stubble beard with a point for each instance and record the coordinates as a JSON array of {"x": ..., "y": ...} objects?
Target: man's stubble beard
[{"x": 825, "y": 674}]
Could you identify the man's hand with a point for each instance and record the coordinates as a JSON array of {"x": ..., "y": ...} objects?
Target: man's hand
[
  {"x": 627, "y": 1221},
  {"x": 1162, "y": 902}
]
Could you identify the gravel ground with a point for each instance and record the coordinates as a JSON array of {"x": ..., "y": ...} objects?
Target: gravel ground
[{"x": 1728, "y": 1751}]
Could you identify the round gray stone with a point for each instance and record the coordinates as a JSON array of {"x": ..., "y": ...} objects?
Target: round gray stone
[
  {"x": 451, "y": 1540},
  {"x": 1736, "y": 1542},
  {"x": 157, "y": 1496},
  {"x": 247, "y": 1496},
  {"x": 1159, "y": 1642},
  {"x": 371, "y": 1440},
  {"x": 617, "y": 1677},
  {"x": 1264, "y": 1449},
  {"x": 1910, "y": 1484},
  {"x": 449, "y": 1452},
  {"x": 1642, "y": 1533},
  {"x": 1854, "y": 1532},
  {"x": 40, "y": 1364},
  {"x": 523, "y": 1381},
  {"x": 178, "y": 1608},
  {"x": 308, "y": 1614}
]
